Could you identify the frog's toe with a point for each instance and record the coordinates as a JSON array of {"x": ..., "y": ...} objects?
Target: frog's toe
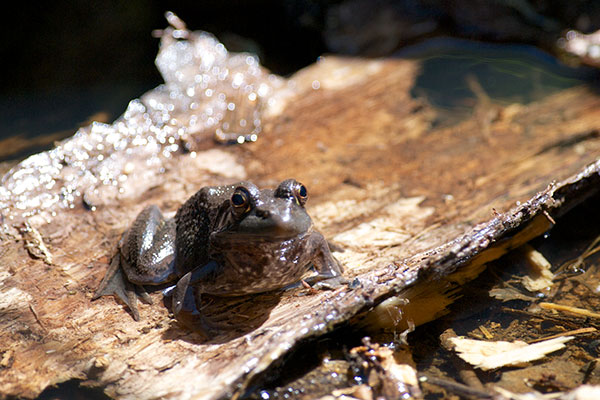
[
  {"x": 179, "y": 293},
  {"x": 330, "y": 283},
  {"x": 114, "y": 283},
  {"x": 143, "y": 294},
  {"x": 334, "y": 247}
]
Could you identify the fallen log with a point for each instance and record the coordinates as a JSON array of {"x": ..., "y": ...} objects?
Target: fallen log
[{"x": 404, "y": 200}]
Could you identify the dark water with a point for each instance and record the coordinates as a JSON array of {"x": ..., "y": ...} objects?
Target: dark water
[
  {"x": 505, "y": 73},
  {"x": 34, "y": 120},
  {"x": 71, "y": 390}
]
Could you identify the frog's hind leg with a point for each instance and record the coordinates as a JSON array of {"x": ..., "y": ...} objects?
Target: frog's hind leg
[
  {"x": 114, "y": 283},
  {"x": 148, "y": 249},
  {"x": 145, "y": 257}
]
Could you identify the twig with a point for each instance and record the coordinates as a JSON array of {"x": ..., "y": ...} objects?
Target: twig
[
  {"x": 485, "y": 332},
  {"x": 552, "y": 221},
  {"x": 588, "y": 371},
  {"x": 568, "y": 333},
  {"x": 574, "y": 310},
  {"x": 559, "y": 320},
  {"x": 37, "y": 318},
  {"x": 576, "y": 262}
]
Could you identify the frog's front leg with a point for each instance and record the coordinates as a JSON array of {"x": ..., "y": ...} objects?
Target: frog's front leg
[
  {"x": 329, "y": 270},
  {"x": 200, "y": 275},
  {"x": 145, "y": 257}
]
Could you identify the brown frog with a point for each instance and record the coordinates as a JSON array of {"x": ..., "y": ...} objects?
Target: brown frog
[{"x": 224, "y": 241}]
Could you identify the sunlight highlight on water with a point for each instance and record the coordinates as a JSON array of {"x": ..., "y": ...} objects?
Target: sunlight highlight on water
[{"x": 207, "y": 92}]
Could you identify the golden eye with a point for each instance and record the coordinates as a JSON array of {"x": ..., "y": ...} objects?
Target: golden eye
[
  {"x": 240, "y": 200},
  {"x": 293, "y": 190},
  {"x": 301, "y": 193}
]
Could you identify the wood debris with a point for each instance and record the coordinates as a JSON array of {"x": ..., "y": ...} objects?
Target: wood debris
[
  {"x": 492, "y": 355},
  {"x": 573, "y": 310},
  {"x": 457, "y": 388},
  {"x": 539, "y": 271},
  {"x": 568, "y": 333},
  {"x": 389, "y": 373},
  {"x": 34, "y": 243},
  {"x": 584, "y": 392}
]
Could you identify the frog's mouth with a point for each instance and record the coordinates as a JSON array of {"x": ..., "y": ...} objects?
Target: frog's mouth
[{"x": 262, "y": 226}]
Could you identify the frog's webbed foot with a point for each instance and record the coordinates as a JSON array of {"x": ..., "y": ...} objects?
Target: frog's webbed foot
[
  {"x": 321, "y": 283},
  {"x": 114, "y": 283},
  {"x": 335, "y": 247},
  {"x": 326, "y": 282},
  {"x": 329, "y": 270}
]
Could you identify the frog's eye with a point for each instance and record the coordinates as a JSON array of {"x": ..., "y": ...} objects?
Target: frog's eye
[
  {"x": 293, "y": 190},
  {"x": 240, "y": 201},
  {"x": 301, "y": 193}
]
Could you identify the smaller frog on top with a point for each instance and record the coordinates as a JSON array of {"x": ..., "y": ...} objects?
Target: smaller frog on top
[{"x": 224, "y": 241}]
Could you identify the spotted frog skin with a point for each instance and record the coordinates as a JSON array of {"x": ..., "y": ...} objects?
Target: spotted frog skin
[{"x": 225, "y": 241}]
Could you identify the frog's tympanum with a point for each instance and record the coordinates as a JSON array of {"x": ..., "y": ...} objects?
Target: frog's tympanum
[{"x": 224, "y": 241}]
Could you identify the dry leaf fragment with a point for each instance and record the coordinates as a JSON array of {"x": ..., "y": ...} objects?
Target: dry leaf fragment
[
  {"x": 584, "y": 392},
  {"x": 492, "y": 355},
  {"x": 539, "y": 270},
  {"x": 390, "y": 372},
  {"x": 508, "y": 294}
]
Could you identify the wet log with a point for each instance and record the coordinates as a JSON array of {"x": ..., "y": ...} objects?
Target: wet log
[{"x": 404, "y": 199}]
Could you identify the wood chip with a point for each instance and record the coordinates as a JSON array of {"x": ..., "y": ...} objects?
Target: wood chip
[
  {"x": 492, "y": 355},
  {"x": 539, "y": 271},
  {"x": 485, "y": 332}
]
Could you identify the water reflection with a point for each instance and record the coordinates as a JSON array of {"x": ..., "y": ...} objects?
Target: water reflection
[{"x": 456, "y": 74}]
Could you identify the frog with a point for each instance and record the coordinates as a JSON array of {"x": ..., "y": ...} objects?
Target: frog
[{"x": 225, "y": 241}]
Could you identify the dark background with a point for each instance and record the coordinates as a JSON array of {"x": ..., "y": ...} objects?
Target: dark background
[
  {"x": 64, "y": 43},
  {"x": 66, "y": 61},
  {"x": 48, "y": 45},
  {"x": 69, "y": 62}
]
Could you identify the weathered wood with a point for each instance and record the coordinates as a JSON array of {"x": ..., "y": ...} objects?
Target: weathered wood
[{"x": 400, "y": 196}]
